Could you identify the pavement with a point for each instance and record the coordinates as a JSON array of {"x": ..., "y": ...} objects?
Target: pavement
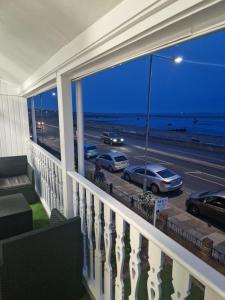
[{"x": 201, "y": 170}]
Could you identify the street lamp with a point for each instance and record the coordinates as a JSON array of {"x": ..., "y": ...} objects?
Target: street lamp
[{"x": 176, "y": 60}]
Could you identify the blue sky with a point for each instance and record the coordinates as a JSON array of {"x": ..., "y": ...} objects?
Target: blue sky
[{"x": 196, "y": 85}]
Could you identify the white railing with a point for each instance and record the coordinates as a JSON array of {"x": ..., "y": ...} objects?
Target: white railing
[
  {"x": 48, "y": 177},
  {"x": 106, "y": 223},
  {"x": 102, "y": 217}
]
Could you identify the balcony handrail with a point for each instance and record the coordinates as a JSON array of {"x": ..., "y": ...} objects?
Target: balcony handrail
[
  {"x": 196, "y": 267},
  {"x": 50, "y": 156}
]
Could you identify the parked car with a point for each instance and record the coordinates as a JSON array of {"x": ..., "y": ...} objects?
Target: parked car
[
  {"x": 113, "y": 161},
  {"x": 209, "y": 204},
  {"x": 90, "y": 151},
  {"x": 159, "y": 178},
  {"x": 112, "y": 138}
]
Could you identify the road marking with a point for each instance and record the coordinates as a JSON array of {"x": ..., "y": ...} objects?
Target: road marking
[
  {"x": 204, "y": 163},
  {"x": 196, "y": 173},
  {"x": 153, "y": 158},
  {"x": 221, "y": 178},
  {"x": 50, "y": 125}
]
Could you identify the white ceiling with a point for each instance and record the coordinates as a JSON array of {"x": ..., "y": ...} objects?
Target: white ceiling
[{"x": 31, "y": 31}]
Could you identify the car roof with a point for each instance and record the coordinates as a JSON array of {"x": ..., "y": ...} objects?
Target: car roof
[
  {"x": 88, "y": 145},
  {"x": 114, "y": 153},
  {"x": 150, "y": 167},
  {"x": 220, "y": 193},
  {"x": 111, "y": 132},
  {"x": 155, "y": 167}
]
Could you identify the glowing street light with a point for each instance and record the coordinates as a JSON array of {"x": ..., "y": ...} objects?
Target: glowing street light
[
  {"x": 53, "y": 94},
  {"x": 178, "y": 59}
]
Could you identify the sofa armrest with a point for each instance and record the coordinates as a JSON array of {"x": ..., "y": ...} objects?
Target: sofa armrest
[{"x": 30, "y": 173}]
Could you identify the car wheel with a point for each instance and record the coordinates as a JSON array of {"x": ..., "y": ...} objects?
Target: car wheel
[
  {"x": 127, "y": 177},
  {"x": 194, "y": 210},
  {"x": 110, "y": 169},
  {"x": 154, "y": 188}
]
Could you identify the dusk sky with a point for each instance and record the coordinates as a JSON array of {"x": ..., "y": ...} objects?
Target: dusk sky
[{"x": 195, "y": 85}]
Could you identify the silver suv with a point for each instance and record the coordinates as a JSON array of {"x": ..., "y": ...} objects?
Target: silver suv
[{"x": 113, "y": 161}]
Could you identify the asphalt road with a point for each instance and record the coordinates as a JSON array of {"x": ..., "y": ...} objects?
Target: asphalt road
[{"x": 201, "y": 170}]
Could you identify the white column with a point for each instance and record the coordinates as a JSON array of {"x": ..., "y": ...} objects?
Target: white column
[
  {"x": 66, "y": 140},
  {"x": 80, "y": 128},
  {"x": 34, "y": 127}
]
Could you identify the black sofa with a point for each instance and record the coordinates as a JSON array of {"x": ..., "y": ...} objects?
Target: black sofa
[
  {"x": 17, "y": 176},
  {"x": 44, "y": 264}
]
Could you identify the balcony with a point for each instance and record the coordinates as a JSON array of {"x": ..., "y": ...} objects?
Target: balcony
[{"x": 124, "y": 256}]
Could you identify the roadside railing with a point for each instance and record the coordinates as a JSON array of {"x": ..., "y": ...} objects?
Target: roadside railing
[
  {"x": 113, "y": 239},
  {"x": 218, "y": 256}
]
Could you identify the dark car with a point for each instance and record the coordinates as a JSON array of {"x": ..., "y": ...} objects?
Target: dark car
[
  {"x": 112, "y": 138},
  {"x": 209, "y": 204}
]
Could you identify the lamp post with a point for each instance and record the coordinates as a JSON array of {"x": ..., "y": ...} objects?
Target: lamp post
[{"x": 176, "y": 60}]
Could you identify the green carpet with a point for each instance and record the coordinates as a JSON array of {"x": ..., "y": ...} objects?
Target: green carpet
[{"x": 40, "y": 218}]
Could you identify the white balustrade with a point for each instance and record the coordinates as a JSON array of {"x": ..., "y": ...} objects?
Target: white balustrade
[
  {"x": 48, "y": 177},
  {"x": 96, "y": 209},
  {"x": 98, "y": 250},
  {"x": 155, "y": 258},
  {"x": 108, "y": 275},
  {"x": 185, "y": 264},
  {"x": 135, "y": 261}
]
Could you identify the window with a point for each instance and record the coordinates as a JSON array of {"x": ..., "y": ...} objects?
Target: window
[
  {"x": 47, "y": 121},
  {"x": 140, "y": 171},
  {"x": 217, "y": 201},
  {"x": 150, "y": 173},
  {"x": 166, "y": 173},
  {"x": 120, "y": 158}
]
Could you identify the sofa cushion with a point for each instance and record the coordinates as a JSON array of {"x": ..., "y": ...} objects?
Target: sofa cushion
[
  {"x": 14, "y": 182},
  {"x": 13, "y": 166}
]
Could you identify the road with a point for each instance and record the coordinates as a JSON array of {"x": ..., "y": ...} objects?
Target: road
[{"x": 201, "y": 170}]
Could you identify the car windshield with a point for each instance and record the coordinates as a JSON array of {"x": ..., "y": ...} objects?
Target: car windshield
[
  {"x": 120, "y": 158},
  {"x": 166, "y": 173},
  {"x": 91, "y": 148},
  {"x": 113, "y": 135}
]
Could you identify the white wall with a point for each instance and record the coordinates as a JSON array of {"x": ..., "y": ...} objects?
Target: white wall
[{"x": 14, "y": 127}]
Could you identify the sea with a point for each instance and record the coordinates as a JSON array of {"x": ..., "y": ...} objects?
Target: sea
[{"x": 210, "y": 124}]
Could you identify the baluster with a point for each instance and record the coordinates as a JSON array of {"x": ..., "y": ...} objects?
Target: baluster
[
  {"x": 42, "y": 178},
  {"x": 53, "y": 184},
  {"x": 98, "y": 252},
  {"x": 211, "y": 295},
  {"x": 89, "y": 233},
  {"x": 135, "y": 261},
  {"x": 155, "y": 258},
  {"x": 76, "y": 198},
  {"x": 49, "y": 167},
  {"x": 181, "y": 282},
  {"x": 83, "y": 227},
  {"x": 108, "y": 277},
  {"x": 61, "y": 203},
  {"x": 57, "y": 187},
  {"x": 46, "y": 181},
  {"x": 120, "y": 256}
]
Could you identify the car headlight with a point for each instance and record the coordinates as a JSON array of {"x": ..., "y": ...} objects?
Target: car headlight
[
  {"x": 122, "y": 140},
  {"x": 114, "y": 140}
]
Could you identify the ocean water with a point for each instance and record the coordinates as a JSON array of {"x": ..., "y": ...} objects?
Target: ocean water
[{"x": 207, "y": 124}]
